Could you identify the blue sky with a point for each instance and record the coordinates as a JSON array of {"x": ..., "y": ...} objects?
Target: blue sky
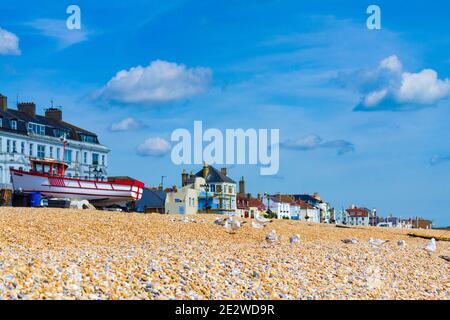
[{"x": 363, "y": 114}]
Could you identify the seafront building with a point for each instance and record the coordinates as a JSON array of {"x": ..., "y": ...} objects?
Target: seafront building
[
  {"x": 219, "y": 184},
  {"x": 25, "y": 134}
]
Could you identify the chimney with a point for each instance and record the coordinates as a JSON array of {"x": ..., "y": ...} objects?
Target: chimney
[
  {"x": 3, "y": 102},
  {"x": 53, "y": 113},
  {"x": 249, "y": 195},
  {"x": 242, "y": 186},
  {"x": 27, "y": 107},
  {"x": 224, "y": 171},
  {"x": 259, "y": 196},
  {"x": 184, "y": 178},
  {"x": 205, "y": 170}
]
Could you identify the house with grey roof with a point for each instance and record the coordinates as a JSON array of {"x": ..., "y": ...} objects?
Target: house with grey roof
[{"x": 25, "y": 134}]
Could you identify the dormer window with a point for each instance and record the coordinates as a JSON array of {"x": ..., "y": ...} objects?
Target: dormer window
[
  {"x": 1, "y": 122},
  {"x": 13, "y": 124},
  {"x": 36, "y": 128}
]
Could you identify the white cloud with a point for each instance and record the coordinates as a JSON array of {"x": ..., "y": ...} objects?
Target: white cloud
[
  {"x": 57, "y": 29},
  {"x": 9, "y": 43},
  {"x": 160, "y": 81},
  {"x": 308, "y": 142},
  {"x": 154, "y": 147},
  {"x": 389, "y": 87},
  {"x": 423, "y": 87},
  {"x": 313, "y": 141},
  {"x": 392, "y": 63},
  {"x": 126, "y": 124}
]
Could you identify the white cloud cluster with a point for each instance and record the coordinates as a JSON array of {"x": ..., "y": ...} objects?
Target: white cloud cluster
[
  {"x": 127, "y": 124},
  {"x": 57, "y": 29},
  {"x": 389, "y": 87},
  {"x": 160, "y": 81},
  {"x": 313, "y": 141},
  {"x": 9, "y": 43},
  {"x": 154, "y": 147}
]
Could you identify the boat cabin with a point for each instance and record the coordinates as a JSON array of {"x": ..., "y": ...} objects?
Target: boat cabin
[{"x": 48, "y": 166}]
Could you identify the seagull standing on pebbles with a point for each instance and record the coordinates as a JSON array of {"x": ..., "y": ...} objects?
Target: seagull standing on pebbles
[
  {"x": 272, "y": 236},
  {"x": 232, "y": 225},
  {"x": 376, "y": 242},
  {"x": 431, "y": 246},
  {"x": 294, "y": 239}
]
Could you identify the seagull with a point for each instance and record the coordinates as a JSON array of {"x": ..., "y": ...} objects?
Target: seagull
[
  {"x": 352, "y": 241},
  {"x": 232, "y": 225},
  {"x": 257, "y": 225},
  {"x": 220, "y": 221},
  {"x": 376, "y": 242},
  {"x": 294, "y": 239},
  {"x": 272, "y": 236},
  {"x": 431, "y": 246},
  {"x": 262, "y": 219}
]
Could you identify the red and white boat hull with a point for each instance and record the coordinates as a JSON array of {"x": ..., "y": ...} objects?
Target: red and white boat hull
[{"x": 97, "y": 192}]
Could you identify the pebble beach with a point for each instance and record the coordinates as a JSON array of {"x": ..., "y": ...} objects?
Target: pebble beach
[{"x": 90, "y": 254}]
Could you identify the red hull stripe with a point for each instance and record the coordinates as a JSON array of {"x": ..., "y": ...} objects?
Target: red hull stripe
[{"x": 79, "y": 193}]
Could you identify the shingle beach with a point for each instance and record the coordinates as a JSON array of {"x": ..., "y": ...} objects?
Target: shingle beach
[{"x": 88, "y": 254}]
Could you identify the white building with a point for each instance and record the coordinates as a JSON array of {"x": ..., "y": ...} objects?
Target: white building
[
  {"x": 25, "y": 135},
  {"x": 185, "y": 199},
  {"x": 280, "y": 205}
]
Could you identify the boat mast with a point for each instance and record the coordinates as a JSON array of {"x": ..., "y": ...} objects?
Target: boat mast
[{"x": 64, "y": 141}]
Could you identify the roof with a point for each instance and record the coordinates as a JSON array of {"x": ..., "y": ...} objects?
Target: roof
[
  {"x": 245, "y": 202},
  {"x": 282, "y": 198},
  {"x": 152, "y": 199},
  {"x": 358, "y": 212},
  {"x": 306, "y": 197},
  {"x": 23, "y": 118},
  {"x": 214, "y": 176},
  {"x": 304, "y": 205}
]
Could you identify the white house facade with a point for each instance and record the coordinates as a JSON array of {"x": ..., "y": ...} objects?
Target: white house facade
[{"x": 25, "y": 135}]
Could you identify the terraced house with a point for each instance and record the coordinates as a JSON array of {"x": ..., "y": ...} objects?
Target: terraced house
[
  {"x": 220, "y": 185},
  {"x": 25, "y": 135}
]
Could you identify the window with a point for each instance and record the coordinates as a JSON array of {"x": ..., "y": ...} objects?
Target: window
[
  {"x": 60, "y": 133},
  {"x": 219, "y": 188},
  {"x": 58, "y": 153},
  {"x": 95, "y": 158},
  {"x": 8, "y": 146},
  {"x": 13, "y": 124},
  {"x": 85, "y": 157},
  {"x": 36, "y": 128},
  {"x": 40, "y": 151},
  {"x": 68, "y": 156},
  {"x": 51, "y": 152},
  {"x": 88, "y": 138},
  {"x": 103, "y": 160},
  {"x": 31, "y": 149},
  {"x": 22, "y": 147},
  {"x": 77, "y": 153},
  {"x": 212, "y": 188},
  {"x": 14, "y": 146},
  {"x": 1, "y": 121}
]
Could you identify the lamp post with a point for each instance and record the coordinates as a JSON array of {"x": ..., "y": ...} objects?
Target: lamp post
[{"x": 206, "y": 186}]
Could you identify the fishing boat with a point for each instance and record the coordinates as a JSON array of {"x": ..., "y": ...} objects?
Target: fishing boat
[{"x": 46, "y": 176}]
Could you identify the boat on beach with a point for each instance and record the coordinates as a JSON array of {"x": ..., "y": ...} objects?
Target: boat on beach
[{"x": 47, "y": 177}]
